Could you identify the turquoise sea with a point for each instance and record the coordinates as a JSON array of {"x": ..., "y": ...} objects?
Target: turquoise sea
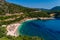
[{"x": 47, "y": 29}]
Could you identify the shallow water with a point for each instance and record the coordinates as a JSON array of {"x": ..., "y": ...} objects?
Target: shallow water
[{"x": 47, "y": 29}]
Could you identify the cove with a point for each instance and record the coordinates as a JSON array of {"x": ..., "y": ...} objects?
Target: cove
[{"x": 47, "y": 29}]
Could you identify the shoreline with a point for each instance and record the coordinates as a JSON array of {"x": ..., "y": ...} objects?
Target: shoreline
[{"x": 12, "y": 29}]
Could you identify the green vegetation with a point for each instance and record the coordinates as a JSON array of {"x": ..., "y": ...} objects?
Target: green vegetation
[
  {"x": 10, "y": 21},
  {"x": 2, "y": 32},
  {"x": 16, "y": 18},
  {"x": 9, "y": 8},
  {"x": 7, "y": 17},
  {"x": 20, "y": 38},
  {"x": 3, "y": 36},
  {"x": 37, "y": 14}
]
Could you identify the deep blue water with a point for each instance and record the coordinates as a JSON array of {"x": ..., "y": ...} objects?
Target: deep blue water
[{"x": 47, "y": 29}]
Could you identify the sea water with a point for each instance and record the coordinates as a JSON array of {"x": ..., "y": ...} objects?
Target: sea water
[{"x": 47, "y": 29}]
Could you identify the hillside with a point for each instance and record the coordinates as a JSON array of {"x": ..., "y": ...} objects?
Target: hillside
[
  {"x": 6, "y": 7},
  {"x": 56, "y": 9},
  {"x": 11, "y": 13}
]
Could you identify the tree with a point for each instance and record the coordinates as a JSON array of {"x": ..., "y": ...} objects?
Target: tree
[{"x": 2, "y": 32}]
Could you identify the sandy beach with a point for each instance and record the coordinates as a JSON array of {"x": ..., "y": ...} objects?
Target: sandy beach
[{"x": 12, "y": 29}]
